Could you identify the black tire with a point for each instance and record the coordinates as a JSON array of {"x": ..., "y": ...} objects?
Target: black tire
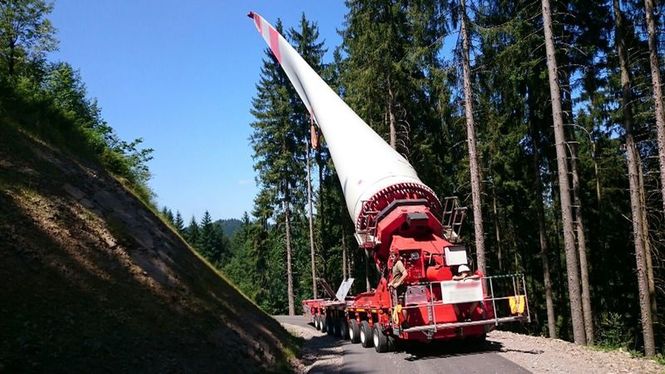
[
  {"x": 354, "y": 331},
  {"x": 323, "y": 322},
  {"x": 380, "y": 339},
  {"x": 330, "y": 325},
  {"x": 338, "y": 327},
  {"x": 344, "y": 329},
  {"x": 392, "y": 343},
  {"x": 333, "y": 327},
  {"x": 365, "y": 334},
  {"x": 316, "y": 322}
]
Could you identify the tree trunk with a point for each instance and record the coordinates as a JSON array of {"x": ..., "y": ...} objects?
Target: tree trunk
[
  {"x": 657, "y": 91},
  {"x": 497, "y": 230},
  {"x": 572, "y": 265},
  {"x": 542, "y": 235},
  {"x": 344, "y": 258},
  {"x": 11, "y": 60},
  {"x": 350, "y": 259},
  {"x": 311, "y": 224},
  {"x": 391, "y": 118},
  {"x": 632, "y": 157},
  {"x": 647, "y": 246},
  {"x": 320, "y": 211},
  {"x": 581, "y": 250},
  {"x": 474, "y": 168},
  {"x": 599, "y": 195},
  {"x": 289, "y": 272},
  {"x": 578, "y": 222}
]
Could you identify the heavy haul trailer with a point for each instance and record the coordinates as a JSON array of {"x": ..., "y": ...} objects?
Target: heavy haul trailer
[
  {"x": 437, "y": 304},
  {"x": 329, "y": 314},
  {"x": 396, "y": 217}
]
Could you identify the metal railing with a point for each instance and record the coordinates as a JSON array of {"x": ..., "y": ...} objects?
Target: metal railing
[{"x": 514, "y": 286}]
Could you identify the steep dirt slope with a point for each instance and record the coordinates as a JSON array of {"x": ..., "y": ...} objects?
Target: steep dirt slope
[{"x": 93, "y": 281}]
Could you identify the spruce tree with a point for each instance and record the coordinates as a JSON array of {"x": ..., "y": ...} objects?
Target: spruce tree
[
  {"x": 178, "y": 223},
  {"x": 572, "y": 264},
  {"x": 305, "y": 40},
  {"x": 279, "y": 154},
  {"x": 192, "y": 232}
]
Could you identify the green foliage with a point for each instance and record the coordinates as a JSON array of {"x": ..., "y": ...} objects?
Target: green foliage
[
  {"x": 50, "y": 100},
  {"x": 192, "y": 232},
  {"x": 26, "y": 35},
  {"x": 228, "y": 226},
  {"x": 613, "y": 332},
  {"x": 211, "y": 242},
  {"x": 660, "y": 358},
  {"x": 178, "y": 223}
]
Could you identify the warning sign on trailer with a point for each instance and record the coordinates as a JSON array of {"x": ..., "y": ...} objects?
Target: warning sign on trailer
[{"x": 464, "y": 291}]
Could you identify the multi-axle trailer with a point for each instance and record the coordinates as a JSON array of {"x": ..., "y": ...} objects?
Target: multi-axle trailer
[
  {"x": 397, "y": 219},
  {"x": 427, "y": 314}
]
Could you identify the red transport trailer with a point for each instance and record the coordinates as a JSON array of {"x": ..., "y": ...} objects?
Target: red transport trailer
[
  {"x": 436, "y": 302},
  {"x": 397, "y": 217}
]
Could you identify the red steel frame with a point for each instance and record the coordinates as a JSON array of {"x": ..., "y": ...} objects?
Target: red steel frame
[{"x": 409, "y": 228}]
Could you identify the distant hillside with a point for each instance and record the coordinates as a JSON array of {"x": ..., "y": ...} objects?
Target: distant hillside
[
  {"x": 94, "y": 281},
  {"x": 229, "y": 226}
]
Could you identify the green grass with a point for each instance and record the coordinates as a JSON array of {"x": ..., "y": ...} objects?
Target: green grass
[{"x": 60, "y": 313}]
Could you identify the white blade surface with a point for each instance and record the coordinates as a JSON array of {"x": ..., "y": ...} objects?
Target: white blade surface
[{"x": 365, "y": 163}]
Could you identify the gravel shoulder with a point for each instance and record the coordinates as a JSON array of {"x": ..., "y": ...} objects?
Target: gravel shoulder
[
  {"x": 543, "y": 355},
  {"x": 320, "y": 354},
  {"x": 324, "y": 354}
]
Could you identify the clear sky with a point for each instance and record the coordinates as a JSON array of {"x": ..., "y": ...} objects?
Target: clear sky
[{"x": 181, "y": 75}]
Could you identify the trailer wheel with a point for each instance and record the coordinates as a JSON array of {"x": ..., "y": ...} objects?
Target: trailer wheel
[
  {"x": 365, "y": 334},
  {"x": 354, "y": 331},
  {"x": 323, "y": 322},
  {"x": 344, "y": 328},
  {"x": 330, "y": 325},
  {"x": 338, "y": 327},
  {"x": 392, "y": 343},
  {"x": 380, "y": 339}
]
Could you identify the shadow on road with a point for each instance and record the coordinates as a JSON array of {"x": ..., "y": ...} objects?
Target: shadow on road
[
  {"x": 320, "y": 348},
  {"x": 455, "y": 348}
]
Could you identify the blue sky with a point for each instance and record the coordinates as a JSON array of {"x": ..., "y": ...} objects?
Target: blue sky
[{"x": 181, "y": 75}]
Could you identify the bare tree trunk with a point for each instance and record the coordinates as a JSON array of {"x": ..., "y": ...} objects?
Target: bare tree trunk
[
  {"x": 578, "y": 222},
  {"x": 632, "y": 157},
  {"x": 497, "y": 231},
  {"x": 350, "y": 259},
  {"x": 599, "y": 195},
  {"x": 289, "y": 272},
  {"x": 542, "y": 235},
  {"x": 11, "y": 60},
  {"x": 581, "y": 250},
  {"x": 647, "y": 247},
  {"x": 471, "y": 139},
  {"x": 392, "y": 123},
  {"x": 572, "y": 265},
  {"x": 320, "y": 211},
  {"x": 657, "y": 91},
  {"x": 311, "y": 224},
  {"x": 344, "y": 258}
]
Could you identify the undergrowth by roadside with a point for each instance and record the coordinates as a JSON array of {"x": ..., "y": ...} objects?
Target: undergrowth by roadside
[{"x": 87, "y": 294}]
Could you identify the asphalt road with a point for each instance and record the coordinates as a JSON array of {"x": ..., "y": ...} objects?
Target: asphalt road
[{"x": 446, "y": 357}]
